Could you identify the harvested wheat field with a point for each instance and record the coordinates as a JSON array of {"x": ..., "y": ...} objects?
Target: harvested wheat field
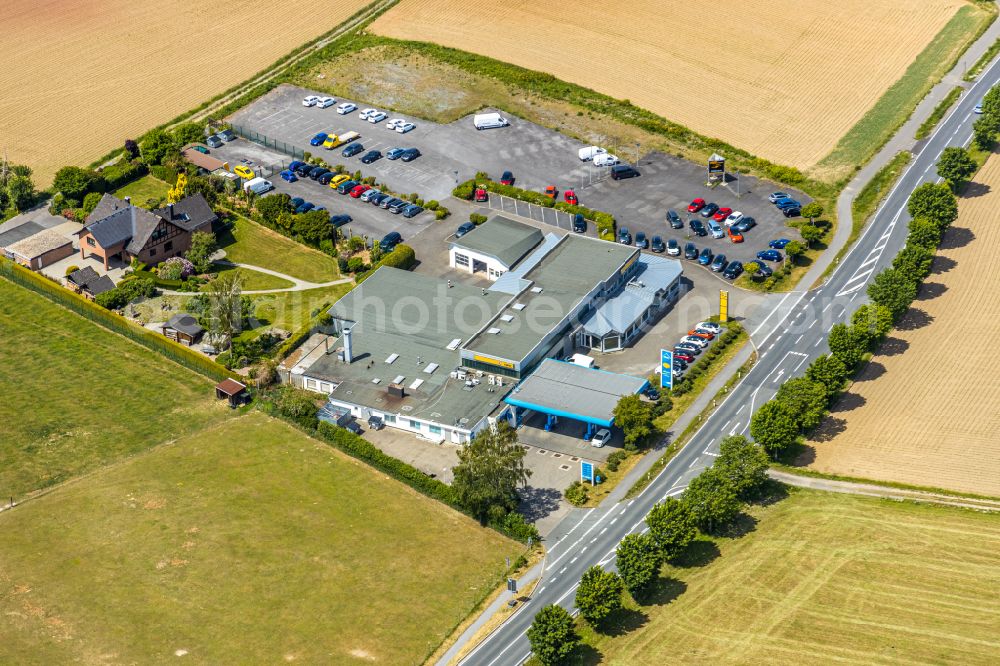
[
  {"x": 915, "y": 416},
  {"x": 81, "y": 76},
  {"x": 783, "y": 79}
]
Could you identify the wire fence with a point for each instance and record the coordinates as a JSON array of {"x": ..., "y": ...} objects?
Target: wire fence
[{"x": 268, "y": 142}]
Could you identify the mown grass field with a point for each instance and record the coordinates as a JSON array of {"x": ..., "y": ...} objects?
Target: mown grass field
[
  {"x": 247, "y": 542},
  {"x": 247, "y": 242},
  {"x": 76, "y": 397},
  {"x": 143, "y": 190},
  {"x": 823, "y": 579},
  {"x": 252, "y": 279}
]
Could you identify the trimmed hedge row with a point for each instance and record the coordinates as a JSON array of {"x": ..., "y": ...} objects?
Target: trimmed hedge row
[
  {"x": 175, "y": 352},
  {"x": 403, "y": 257}
]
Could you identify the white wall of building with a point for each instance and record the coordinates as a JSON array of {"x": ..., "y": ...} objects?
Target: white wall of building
[{"x": 474, "y": 262}]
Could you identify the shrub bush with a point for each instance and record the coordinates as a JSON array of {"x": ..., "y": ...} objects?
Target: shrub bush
[
  {"x": 616, "y": 459},
  {"x": 576, "y": 493},
  {"x": 72, "y": 268}
]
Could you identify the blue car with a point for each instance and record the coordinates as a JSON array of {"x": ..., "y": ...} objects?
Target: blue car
[
  {"x": 318, "y": 139},
  {"x": 464, "y": 229},
  {"x": 305, "y": 207},
  {"x": 769, "y": 255},
  {"x": 787, "y": 203},
  {"x": 289, "y": 175},
  {"x": 624, "y": 237},
  {"x": 719, "y": 263},
  {"x": 640, "y": 240},
  {"x": 296, "y": 202},
  {"x": 705, "y": 258},
  {"x": 295, "y": 165},
  {"x": 352, "y": 150},
  {"x": 395, "y": 153},
  {"x": 779, "y": 244},
  {"x": 339, "y": 220}
]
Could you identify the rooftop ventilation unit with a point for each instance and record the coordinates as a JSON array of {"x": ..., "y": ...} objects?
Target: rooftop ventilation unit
[
  {"x": 399, "y": 379},
  {"x": 507, "y": 318},
  {"x": 395, "y": 390},
  {"x": 392, "y": 358},
  {"x": 493, "y": 331},
  {"x": 453, "y": 345},
  {"x": 376, "y": 380},
  {"x": 536, "y": 290},
  {"x": 519, "y": 306},
  {"x": 416, "y": 384},
  {"x": 431, "y": 368}
]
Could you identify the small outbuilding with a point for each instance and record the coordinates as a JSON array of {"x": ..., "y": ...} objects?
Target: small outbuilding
[
  {"x": 231, "y": 390},
  {"x": 183, "y": 328},
  {"x": 86, "y": 281},
  {"x": 40, "y": 249}
]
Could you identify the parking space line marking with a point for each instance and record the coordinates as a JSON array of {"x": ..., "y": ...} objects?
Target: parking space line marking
[
  {"x": 800, "y": 338},
  {"x": 817, "y": 342},
  {"x": 828, "y": 306}
]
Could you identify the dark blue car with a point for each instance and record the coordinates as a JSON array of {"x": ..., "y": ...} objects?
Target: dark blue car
[
  {"x": 705, "y": 258},
  {"x": 769, "y": 255},
  {"x": 352, "y": 149},
  {"x": 318, "y": 139},
  {"x": 305, "y": 207},
  {"x": 640, "y": 240},
  {"x": 779, "y": 244}
]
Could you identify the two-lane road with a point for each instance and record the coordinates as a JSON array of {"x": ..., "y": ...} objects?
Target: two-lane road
[{"x": 787, "y": 342}]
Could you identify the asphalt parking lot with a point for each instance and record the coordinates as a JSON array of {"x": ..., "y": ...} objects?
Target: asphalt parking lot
[{"x": 367, "y": 220}]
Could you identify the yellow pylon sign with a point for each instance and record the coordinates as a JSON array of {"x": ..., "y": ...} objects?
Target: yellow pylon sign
[{"x": 723, "y": 305}]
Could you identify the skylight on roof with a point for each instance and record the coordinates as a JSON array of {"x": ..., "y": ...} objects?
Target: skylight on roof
[
  {"x": 431, "y": 368},
  {"x": 453, "y": 345},
  {"x": 416, "y": 384},
  {"x": 376, "y": 380},
  {"x": 493, "y": 331},
  {"x": 536, "y": 290},
  {"x": 399, "y": 379},
  {"x": 507, "y": 318},
  {"x": 392, "y": 358},
  {"x": 519, "y": 306}
]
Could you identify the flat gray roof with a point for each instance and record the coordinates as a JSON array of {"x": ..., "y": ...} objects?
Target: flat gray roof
[
  {"x": 573, "y": 391},
  {"x": 17, "y": 233},
  {"x": 570, "y": 271},
  {"x": 501, "y": 237}
]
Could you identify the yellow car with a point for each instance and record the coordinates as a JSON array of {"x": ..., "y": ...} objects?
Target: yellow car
[
  {"x": 244, "y": 172},
  {"x": 337, "y": 180},
  {"x": 331, "y": 142}
]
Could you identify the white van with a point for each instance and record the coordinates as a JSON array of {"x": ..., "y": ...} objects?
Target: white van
[
  {"x": 605, "y": 160},
  {"x": 489, "y": 121},
  {"x": 257, "y": 186},
  {"x": 590, "y": 152},
  {"x": 582, "y": 360}
]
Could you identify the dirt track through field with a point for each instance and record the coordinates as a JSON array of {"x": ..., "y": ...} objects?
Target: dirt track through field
[
  {"x": 81, "y": 76},
  {"x": 783, "y": 79},
  {"x": 926, "y": 410}
]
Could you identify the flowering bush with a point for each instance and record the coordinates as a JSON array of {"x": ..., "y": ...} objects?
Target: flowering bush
[{"x": 175, "y": 268}]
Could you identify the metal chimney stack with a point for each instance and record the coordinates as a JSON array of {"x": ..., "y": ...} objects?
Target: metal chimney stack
[{"x": 348, "y": 351}]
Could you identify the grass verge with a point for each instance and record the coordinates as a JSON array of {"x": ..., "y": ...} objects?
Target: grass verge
[
  {"x": 245, "y": 541},
  {"x": 897, "y": 104},
  {"x": 973, "y": 72},
  {"x": 84, "y": 397},
  {"x": 252, "y": 279},
  {"x": 938, "y": 113}
]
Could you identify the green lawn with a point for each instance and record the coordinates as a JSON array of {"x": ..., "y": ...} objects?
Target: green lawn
[
  {"x": 253, "y": 279},
  {"x": 245, "y": 543},
  {"x": 247, "y": 242},
  {"x": 824, "y": 578},
  {"x": 143, "y": 190},
  {"x": 77, "y": 396}
]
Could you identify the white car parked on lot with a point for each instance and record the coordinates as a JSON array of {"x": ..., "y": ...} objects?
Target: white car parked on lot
[
  {"x": 602, "y": 437},
  {"x": 708, "y": 327},
  {"x": 311, "y": 100},
  {"x": 395, "y": 122},
  {"x": 366, "y": 112},
  {"x": 377, "y": 117},
  {"x": 734, "y": 218},
  {"x": 325, "y": 102},
  {"x": 590, "y": 152},
  {"x": 605, "y": 160},
  {"x": 405, "y": 127},
  {"x": 346, "y": 107},
  {"x": 695, "y": 340}
]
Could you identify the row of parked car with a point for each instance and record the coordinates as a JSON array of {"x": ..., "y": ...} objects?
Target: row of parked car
[
  {"x": 692, "y": 344},
  {"x": 216, "y": 140},
  {"x": 345, "y": 185}
]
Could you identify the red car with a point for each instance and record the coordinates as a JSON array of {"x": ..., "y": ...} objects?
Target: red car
[
  {"x": 551, "y": 192},
  {"x": 687, "y": 358},
  {"x": 481, "y": 194},
  {"x": 507, "y": 178},
  {"x": 358, "y": 190},
  {"x": 734, "y": 236},
  {"x": 570, "y": 197},
  {"x": 722, "y": 214},
  {"x": 704, "y": 335},
  {"x": 696, "y": 205}
]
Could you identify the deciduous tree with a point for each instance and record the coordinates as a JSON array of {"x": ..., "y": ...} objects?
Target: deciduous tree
[
  {"x": 313, "y": 227},
  {"x": 774, "y": 427},
  {"x": 794, "y": 250},
  {"x": 74, "y": 182},
  {"x": 743, "y": 464},
  {"x": 490, "y": 470},
  {"x": 956, "y": 166},
  {"x": 894, "y": 289},
  {"x": 829, "y": 371},
  {"x": 599, "y": 594},
  {"x": 552, "y": 635},
  {"x": 270, "y": 208},
  {"x": 225, "y": 307},
  {"x": 924, "y": 232},
  {"x": 638, "y": 560},
  {"x": 934, "y": 202},
  {"x": 712, "y": 500},
  {"x": 156, "y": 146},
  {"x": 846, "y": 345},
  {"x": 811, "y": 234},
  {"x": 203, "y": 246},
  {"x": 635, "y": 417},
  {"x": 805, "y": 399},
  {"x": 874, "y": 320},
  {"x": 671, "y": 526},
  {"x": 812, "y": 210}
]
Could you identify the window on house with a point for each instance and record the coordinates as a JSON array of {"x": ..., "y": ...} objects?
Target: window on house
[
  {"x": 461, "y": 260},
  {"x": 415, "y": 424},
  {"x": 169, "y": 246},
  {"x": 152, "y": 252},
  {"x": 91, "y": 242},
  {"x": 435, "y": 430},
  {"x": 389, "y": 418}
]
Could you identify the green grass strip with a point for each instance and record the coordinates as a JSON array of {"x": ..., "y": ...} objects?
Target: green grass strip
[
  {"x": 981, "y": 64},
  {"x": 938, "y": 113}
]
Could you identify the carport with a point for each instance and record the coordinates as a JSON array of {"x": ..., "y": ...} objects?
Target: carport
[{"x": 565, "y": 390}]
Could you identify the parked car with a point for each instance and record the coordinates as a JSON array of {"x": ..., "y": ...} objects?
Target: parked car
[
  {"x": 718, "y": 263},
  {"x": 682, "y": 355},
  {"x": 412, "y": 211},
  {"x": 394, "y": 123},
  {"x": 358, "y": 190},
  {"x": 657, "y": 245},
  {"x": 769, "y": 255},
  {"x": 697, "y": 227},
  {"x": 690, "y": 251},
  {"x": 339, "y": 220},
  {"x": 733, "y": 218},
  {"x": 641, "y": 241},
  {"x": 733, "y": 270},
  {"x": 310, "y": 100},
  {"x": 673, "y": 249},
  {"x": 315, "y": 174},
  {"x": 507, "y": 178},
  {"x": 395, "y": 153},
  {"x": 709, "y": 210},
  {"x": 695, "y": 341},
  {"x": 744, "y": 225},
  {"x": 705, "y": 258},
  {"x": 377, "y": 117},
  {"x": 346, "y": 107},
  {"x": 464, "y": 229},
  {"x": 623, "y": 171},
  {"x": 551, "y": 192},
  {"x": 624, "y": 237},
  {"x": 338, "y": 179},
  {"x": 346, "y": 186},
  {"x": 409, "y": 155},
  {"x": 227, "y": 135},
  {"x": 352, "y": 149},
  {"x": 390, "y": 241},
  {"x": 734, "y": 235},
  {"x": 786, "y": 202},
  {"x": 318, "y": 139},
  {"x": 709, "y": 326},
  {"x": 405, "y": 127},
  {"x": 325, "y": 102},
  {"x": 651, "y": 393},
  {"x": 779, "y": 243},
  {"x": 377, "y": 199},
  {"x": 305, "y": 207},
  {"x": 692, "y": 348},
  {"x": 303, "y": 169},
  {"x": 397, "y": 207},
  {"x": 775, "y": 196},
  {"x": 326, "y": 178},
  {"x": 791, "y": 211},
  {"x": 763, "y": 270},
  {"x": 696, "y": 205},
  {"x": 570, "y": 197},
  {"x": 587, "y": 154},
  {"x": 367, "y": 196},
  {"x": 606, "y": 160},
  {"x": 214, "y": 141},
  {"x": 390, "y": 201},
  {"x": 480, "y": 195},
  {"x": 295, "y": 202},
  {"x": 704, "y": 335},
  {"x": 674, "y": 220},
  {"x": 602, "y": 437},
  {"x": 371, "y": 156},
  {"x": 288, "y": 175},
  {"x": 363, "y": 115},
  {"x": 715, "y": 229},
  {"x": 295, "y": 164},
  {"x": 579, "y": 224},
  {"x": 978, "y": 108},
  {"x": 244, "y": 172},
  {"x": 722, "y": 214}
]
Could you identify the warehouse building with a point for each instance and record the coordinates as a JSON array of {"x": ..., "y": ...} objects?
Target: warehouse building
[{"x": 493, "y": 248}]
